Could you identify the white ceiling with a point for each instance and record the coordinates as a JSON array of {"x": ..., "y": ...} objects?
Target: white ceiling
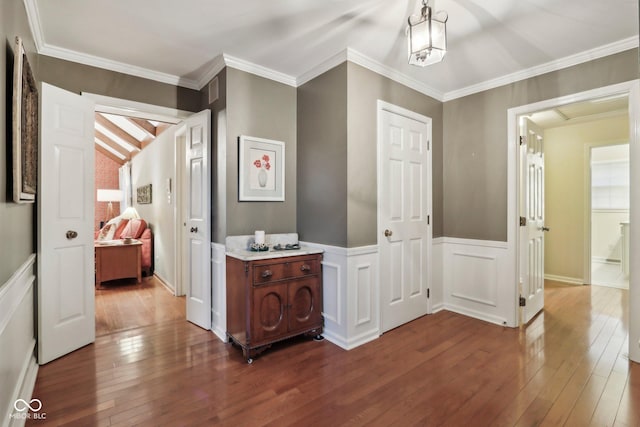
[{"x": 489, "y": 41}]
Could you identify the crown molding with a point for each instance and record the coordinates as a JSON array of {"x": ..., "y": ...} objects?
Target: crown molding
[
  {"x": 358, "y": 58},
  {"x": 391, "y": 73},
  {"x": 258, "y": 70},
  {"x": 120, "y": 67},
  {"x": 33, "y": 16},
  {"x": 322, "y": 67},
  {"x": 217, "y": 65},
  {"x": 569, "y": 61}
]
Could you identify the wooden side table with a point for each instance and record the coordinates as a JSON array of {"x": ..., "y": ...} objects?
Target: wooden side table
[{"x": 117, "y": 260}]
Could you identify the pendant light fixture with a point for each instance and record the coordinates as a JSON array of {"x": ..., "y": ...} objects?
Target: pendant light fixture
[{"x": 427, "y": 36}]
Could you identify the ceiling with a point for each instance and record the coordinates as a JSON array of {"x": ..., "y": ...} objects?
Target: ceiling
[
  {"x": 490, "y": 42},
  {"x": 580, "y": 112}
]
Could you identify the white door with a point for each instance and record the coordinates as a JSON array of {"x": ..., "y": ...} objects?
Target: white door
[
  {"x": 197, "y": 223},
  {"x": 404, "y": 216},
  {"x": 65, "y": 224},
  {"x": 532, "y": 227}
]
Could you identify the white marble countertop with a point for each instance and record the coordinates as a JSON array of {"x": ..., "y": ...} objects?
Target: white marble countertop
[
  {"x": 238, "y": 247},
  {"x": 246, "y": 255}
]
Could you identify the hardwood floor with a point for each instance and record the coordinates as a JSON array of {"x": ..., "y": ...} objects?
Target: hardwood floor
[
  {"x": 125, "y": 304},
  {"x": 568, "y": 367}
]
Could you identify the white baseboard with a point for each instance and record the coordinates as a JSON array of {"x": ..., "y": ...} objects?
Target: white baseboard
[
  {"x": 564, "y": 279},
  {"x": 165, "y": 283},
  {"x": 437, "y": 308},
  {"x": 476, "y": 314}
]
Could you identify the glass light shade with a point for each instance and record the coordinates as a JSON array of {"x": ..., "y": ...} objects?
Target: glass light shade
[
  {"x": 130, "y": 213},
  {"x": 427, "y": 37}
]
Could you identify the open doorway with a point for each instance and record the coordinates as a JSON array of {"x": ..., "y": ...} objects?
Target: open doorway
[
  {"x": 578, "y": 252},
  {"x": 135, "y": 284},
  {"x": 609, "y": 188},
  {"x": 134, "y": 150}
]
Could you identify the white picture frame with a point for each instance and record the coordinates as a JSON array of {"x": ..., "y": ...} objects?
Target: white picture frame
[{"x": 260, "y": 170}]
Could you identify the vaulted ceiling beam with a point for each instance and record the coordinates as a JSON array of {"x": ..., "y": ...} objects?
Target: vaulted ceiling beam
[
  {"x": 119, "y": 132},
  {"x": 110, "y": 155},
  {"x": 114, "y": 145},
  {"x": 144, "y": 125}
]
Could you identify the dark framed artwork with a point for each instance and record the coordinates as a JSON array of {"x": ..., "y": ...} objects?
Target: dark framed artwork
[
  {"x": 144, "y": 194},
  {"x": 24, "y": 128}
]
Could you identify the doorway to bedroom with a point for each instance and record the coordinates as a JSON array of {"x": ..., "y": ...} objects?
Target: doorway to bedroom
[{"x": 134, "y": 293}]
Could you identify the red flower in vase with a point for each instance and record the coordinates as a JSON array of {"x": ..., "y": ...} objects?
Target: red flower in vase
[{"x": 263, "y": 163}]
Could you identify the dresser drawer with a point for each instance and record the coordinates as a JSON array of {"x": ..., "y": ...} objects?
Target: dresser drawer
[{"x": 281, "y": 270}]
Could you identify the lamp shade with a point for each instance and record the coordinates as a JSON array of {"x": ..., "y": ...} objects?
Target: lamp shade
[
  {"x": 109, "y": 195},
  {"x": 130, "y": 213}
]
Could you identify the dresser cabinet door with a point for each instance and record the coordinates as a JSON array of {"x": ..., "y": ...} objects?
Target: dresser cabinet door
[
  {"x": 305, "y": 304},
  {"x": 269, "y": 312}
]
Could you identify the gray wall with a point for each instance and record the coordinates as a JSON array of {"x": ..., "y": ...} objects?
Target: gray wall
[
  {"x": 475, "y": 138},
  {"x": 79, "y": 78},
  {"x": 266, "y": 109},
  {"x": 16, "y": 221},
  {"x": 218, "y": 157},
  {"x": 322, "y": 158},
  {"x": 337, "y": 153},
  {"x": 364, "y": 89}
]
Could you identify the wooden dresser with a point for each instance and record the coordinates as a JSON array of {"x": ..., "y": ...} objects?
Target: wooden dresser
[{"x": 272, "y": 299}]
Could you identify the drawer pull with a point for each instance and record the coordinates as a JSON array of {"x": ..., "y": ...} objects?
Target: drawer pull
[
  {"x": 305, "y": 267},
  {"x": 266, "y": 274}
]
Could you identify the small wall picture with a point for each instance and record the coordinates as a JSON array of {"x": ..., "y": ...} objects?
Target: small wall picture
[
  {"x": 144, "y": 194},
  {"x": 261, "y": 169}
]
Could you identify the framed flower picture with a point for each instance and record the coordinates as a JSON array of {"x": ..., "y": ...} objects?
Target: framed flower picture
[{"x": 260, "y": 170}]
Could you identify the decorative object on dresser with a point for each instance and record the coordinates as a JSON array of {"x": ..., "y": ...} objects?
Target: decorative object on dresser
[{"x": 272, "y": 296}]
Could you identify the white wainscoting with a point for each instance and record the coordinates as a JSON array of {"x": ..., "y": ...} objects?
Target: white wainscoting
[
  {"x": 18, "y": 367},
  {"x": 437, "y": 279},
  {"x": 477, "y": 281},
  {"x": 219, "y": 291},
  {"x": 351, "y": 303}
]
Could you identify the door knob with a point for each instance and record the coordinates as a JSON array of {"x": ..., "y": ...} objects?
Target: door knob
[
  {"x": 194, "y": 229},
  {"x": 545, "y": 228},
  {"x": 388, "y": 233},
  {"x": 71, "y": 234}
]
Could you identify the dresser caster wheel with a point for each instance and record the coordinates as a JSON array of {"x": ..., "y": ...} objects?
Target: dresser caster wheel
[
  {"x": 318, "y": 338},
  {"x": 249, "y": 361}
]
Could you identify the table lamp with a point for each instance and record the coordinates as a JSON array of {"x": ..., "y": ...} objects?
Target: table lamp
[{"x": 109, "y": 196}]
